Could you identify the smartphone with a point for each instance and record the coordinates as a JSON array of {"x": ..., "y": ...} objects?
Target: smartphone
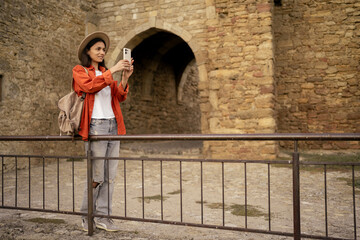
[{"x": 127, "y": 54}]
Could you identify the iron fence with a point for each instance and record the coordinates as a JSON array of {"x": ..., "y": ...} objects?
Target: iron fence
[{"x": 10, "y": 189}]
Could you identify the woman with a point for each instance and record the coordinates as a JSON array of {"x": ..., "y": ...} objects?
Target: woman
[{"x": 101, "y": 116}]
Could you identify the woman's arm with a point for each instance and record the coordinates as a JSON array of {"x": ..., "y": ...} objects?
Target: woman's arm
[
  {"x": 122, "y": 90},
  {"x": 126, "y": 74},
  {"x": 85, "y": 83}
]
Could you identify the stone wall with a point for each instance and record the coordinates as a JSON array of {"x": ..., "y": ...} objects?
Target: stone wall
[
  {"x": 241, "y": 84},
  {"x": 317, "y": 68},
  {"x": 232, "y": 45},
  {"x": 38, "y": 45},
  {"x": 253, "y": 68}
]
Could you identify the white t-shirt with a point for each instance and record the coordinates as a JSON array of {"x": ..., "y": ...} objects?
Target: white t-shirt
[{"x": 102, "y": 106}]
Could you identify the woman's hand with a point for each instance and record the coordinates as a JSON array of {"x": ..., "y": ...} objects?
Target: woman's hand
[
  {"x": 120, "y": 66},
  {"x": 127, "y": 73}
]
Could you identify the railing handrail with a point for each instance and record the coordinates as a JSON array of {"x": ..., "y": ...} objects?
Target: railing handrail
[{"x": 197, "y": 137}]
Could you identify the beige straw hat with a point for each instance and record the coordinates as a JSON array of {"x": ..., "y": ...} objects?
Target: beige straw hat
[{"x": 92, "y": 36}]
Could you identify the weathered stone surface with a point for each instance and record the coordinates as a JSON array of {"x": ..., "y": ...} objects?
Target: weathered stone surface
[
  {"x": 38, "y": 44},
  {"x": 253, "y": 61},
  {"x": 324, "y": 70}
]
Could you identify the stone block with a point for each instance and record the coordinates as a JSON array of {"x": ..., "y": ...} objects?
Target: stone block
[
  {"x": 260, "y": 81},
  {"x": 214, "y": 124},
  {"x": 210, "y": 12},
  {"x": 264, "y": 101},
  {"x": 204, "y": 94},
  {"x": 267, "y": 89},
  {"x": 268, "y": 150},
  {"x": 321, "y": 65},
  {"x": 263, "y": 7},
  {"x": 213, "y": 99},
  {"x": 249, "y": 49},
  {"x": 268, "y": 122},
  {"x": 20, "y": 75},
  {"x": 224, "y": 74},
  {"x": 266, "y": 45},
  {"x": 285, "y": 43},
  {"x": 331, "y": 70},
  {"x": 260, "y": 30},
  {"x": 331, "y": 39},
  {"x": 314, "y": 79},
  {"x": 307, "y": 86},
  {"x": 264, "y": 54},
  {"x": 258, "y": 74},
  {"x": 215, "y": 84}
]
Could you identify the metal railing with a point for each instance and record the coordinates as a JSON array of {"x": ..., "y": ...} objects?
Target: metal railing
[{"x": 294, "y": 163}]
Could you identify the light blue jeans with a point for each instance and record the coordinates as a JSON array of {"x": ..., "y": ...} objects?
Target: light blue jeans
[{"x": 104, "y": 171}]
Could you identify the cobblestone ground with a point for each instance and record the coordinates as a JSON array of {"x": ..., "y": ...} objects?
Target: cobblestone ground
[
  {"x": 20, "y": 225},
  {"x": 15, "y": 224}
]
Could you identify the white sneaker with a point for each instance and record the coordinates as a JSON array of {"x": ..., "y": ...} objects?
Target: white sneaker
[
  {"x": 84, "y": 224},
  {"x": 107, "y": 224}
]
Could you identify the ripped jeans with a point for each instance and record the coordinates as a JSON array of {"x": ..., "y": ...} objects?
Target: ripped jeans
[{"x": 104, "y": 171}]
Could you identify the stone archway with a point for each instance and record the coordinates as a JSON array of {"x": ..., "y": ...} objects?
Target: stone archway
[{"x": 162, "y": 50}]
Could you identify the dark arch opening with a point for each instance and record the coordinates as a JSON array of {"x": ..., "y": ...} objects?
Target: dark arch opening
[
  {"x": 179, "y": 57},
  {"x": 152, "y": 106}
]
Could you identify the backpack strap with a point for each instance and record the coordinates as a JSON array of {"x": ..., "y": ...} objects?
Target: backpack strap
[
  {"x": 72, "y": 83},
  {"x": 87, "y": 72},
  {"x": 84, "y": 93}
]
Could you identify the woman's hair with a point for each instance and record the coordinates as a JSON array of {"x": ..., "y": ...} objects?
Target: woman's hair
[{"x": 85, "y": 58}]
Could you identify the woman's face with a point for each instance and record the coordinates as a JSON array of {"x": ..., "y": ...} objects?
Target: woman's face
[{"x": 97, "y": 52}]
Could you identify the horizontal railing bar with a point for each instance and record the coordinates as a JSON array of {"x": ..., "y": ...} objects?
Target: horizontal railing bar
[
  {"x": 155, "y": 159},
  {"x": 198, "y": 160},
  {"x": 323, "y": 237},
  {"x": 229, "y": 137},
  {"x": 332, "y": 163},
  {"x": 44, "y": 210},
  {"x": 187, "y": 160},
  {"x": 203, "y": 137},
  {"x": 198, "y": 225},
  {"x": 39, "y": 138},
  {"x": 42, "y": 156}
]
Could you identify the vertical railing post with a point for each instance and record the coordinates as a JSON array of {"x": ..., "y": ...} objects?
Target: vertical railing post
[
  {"x": 161, "y": 189},
  {"x": 16, "y": 181},
  {"x": 223, "y": 192},
  {"x": 181, "y": 194},
  {"x": 90, "y": 191},
  {"x": 296, "y": 192},
  {"x": 125, "y": 188},
  {"x": 2, "y": 181},
  {"x": 354, "y": 201},
  {"x": 29, "y": 183},
  {"x": 43, "y": 175}
]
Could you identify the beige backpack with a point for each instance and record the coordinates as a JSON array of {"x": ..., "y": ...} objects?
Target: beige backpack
[{"x": 71, "y": 106}]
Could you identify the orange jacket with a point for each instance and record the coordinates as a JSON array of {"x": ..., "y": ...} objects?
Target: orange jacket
[{"x": 90, "y": 84}]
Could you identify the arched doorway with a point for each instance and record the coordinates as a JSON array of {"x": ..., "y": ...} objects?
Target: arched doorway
[{"x": 163, "y": 97}]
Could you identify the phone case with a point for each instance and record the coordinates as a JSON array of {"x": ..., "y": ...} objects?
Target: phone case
[{"x": 127, "y": 54}]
